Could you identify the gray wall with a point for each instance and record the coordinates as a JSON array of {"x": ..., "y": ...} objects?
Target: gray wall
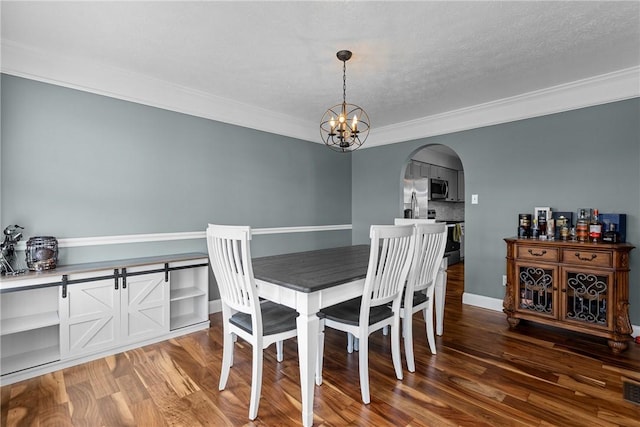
[
  {"x": 75, "y": 164},
  {"x": 582, "y": 158}
]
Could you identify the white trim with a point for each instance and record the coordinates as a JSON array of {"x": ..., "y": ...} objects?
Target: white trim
[
  {"x": 215, "y": 306},
  {"x": 45, "y": 66},
  {"x": 89, "y": 76},
  {"x": 481, "y": 301},
  {"x": 615, "y": 86},
  {"x": 73, "y": 242}
]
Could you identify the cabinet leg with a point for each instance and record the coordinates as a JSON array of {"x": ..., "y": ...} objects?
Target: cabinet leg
[
  {"x": 617, "y": 347},
  {"x": 513, "y": 321}
]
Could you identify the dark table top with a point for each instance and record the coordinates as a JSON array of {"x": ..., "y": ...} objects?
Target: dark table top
[{"x": 314, "y": 270}]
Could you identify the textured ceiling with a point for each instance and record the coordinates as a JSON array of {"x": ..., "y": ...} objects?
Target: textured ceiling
[{"x": 410, "y": 59}]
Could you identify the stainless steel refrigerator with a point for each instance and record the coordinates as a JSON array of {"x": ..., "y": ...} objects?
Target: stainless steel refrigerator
[{"x": 420, "y": 187}]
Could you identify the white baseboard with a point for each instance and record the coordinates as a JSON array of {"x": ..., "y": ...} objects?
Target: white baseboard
[
  {"x": 215, "y": 306},
  {"x": 495, "y": 304},
  {"x": 481, "y": 301}
]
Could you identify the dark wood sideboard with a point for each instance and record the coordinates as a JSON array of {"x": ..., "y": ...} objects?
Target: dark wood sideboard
[{"x": 583, "y": 287}]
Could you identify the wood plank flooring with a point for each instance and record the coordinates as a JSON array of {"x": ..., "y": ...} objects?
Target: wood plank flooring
[{"x": 483, "y": 375}]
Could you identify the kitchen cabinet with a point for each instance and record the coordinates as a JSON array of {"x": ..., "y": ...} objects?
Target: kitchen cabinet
[
  {"x": 73, "y": 314},
  {"x": 417, "y": 170},
  {"x": 582, "y": 287},
  {"x": 461, "y": 186}
]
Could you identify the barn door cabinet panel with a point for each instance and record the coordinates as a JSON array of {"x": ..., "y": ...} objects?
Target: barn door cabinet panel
[
  {"x": 73, "y": 314},
  {"x": 89, "y": 313},
  {"x": 583, "y": 287}
]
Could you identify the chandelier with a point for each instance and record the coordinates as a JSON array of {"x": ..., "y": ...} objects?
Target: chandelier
[{"x": 344, "y": 127}]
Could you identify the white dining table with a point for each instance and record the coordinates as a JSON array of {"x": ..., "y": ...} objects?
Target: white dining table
[{"x": 308, "y": 282}]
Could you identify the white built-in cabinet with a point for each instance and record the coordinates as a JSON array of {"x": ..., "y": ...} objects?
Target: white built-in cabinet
[{"x": 73, "y": 314}]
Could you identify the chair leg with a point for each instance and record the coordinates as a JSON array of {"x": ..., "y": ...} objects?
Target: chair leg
[
  {"x": 279, "y": 354},
  {"x": 356, "y": 343},
  {"x": 256, "y": 381},
  {"x": 227, "y": 359},
  {"x": 428, "y": 320},
  {"x": 363, "y": 367},
  {"x": 320, "y": 355},
  {"x": 407, "y": 332},
  {"x": 350, "y": 339},
  {"x": 385, "y": 330},
  {"x": 395, "y": 348}
]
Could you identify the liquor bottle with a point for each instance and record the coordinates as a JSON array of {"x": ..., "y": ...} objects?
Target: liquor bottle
[
  {"x": 582, "y": 227},
  {"x": 611, "y": 235},
  {"x": 595, "y": 228},
  {"x": 542, "y": 224},
  {"x": 535, "y": 231}
]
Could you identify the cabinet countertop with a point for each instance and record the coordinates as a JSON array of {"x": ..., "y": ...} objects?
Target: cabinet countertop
[
  {"x": 10, "y": 282},
  {"x": 567, "y": 243}
]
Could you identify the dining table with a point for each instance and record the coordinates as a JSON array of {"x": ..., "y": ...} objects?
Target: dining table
[{"x": 310, "y": 281}]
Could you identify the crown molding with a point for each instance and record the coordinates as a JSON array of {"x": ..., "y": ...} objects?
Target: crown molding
[
  {"x": 44, "y": 66},
  {"x": 92, "y": 77},
  {"x": 602, "y": 89}
]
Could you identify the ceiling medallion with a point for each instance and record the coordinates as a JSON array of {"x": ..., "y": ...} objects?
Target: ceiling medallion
[{"x": 344, "y": 127}]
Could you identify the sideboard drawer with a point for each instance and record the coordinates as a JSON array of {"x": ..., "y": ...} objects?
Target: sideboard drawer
[
  {"x": 587, "y": 258},
  {"x": 537, "y": 253}
]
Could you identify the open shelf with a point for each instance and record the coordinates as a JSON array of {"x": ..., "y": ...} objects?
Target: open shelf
[
  {"x": 184, "y": 293},
  {"x": 30, "y": 359},
  {"x": 185, "y": 320},
  {"x": 14, "y": 325}
]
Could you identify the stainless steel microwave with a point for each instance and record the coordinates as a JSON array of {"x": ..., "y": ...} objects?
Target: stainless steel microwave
[{"x": 438, "y": 189}]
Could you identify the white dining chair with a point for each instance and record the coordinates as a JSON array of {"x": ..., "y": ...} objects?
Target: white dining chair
[
  {"x": 392, "y": 249},
  {"x": 260, "y": 324},
  {"x": 430, "y": 243}
]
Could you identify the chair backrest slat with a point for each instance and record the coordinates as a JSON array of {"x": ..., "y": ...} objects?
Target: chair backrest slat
[{"x": 230, "y": 258}]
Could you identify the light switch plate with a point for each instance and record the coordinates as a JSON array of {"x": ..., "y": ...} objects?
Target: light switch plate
[{"x": 474, "y": 199}]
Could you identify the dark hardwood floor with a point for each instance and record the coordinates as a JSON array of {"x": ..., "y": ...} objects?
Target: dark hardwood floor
[{"x": 483, "y": 375}]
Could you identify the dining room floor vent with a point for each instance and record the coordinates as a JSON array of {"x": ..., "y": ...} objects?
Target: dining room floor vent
[{"x": 631, "y": 392}]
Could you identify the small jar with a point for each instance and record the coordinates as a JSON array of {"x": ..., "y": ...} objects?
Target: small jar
[{"x": 42, "y": 253}]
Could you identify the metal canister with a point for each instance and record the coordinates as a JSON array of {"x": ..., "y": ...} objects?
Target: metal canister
[{"x": 42, "y": 253}]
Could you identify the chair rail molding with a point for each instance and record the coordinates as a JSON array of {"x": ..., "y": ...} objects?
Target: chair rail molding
[{"x": 73, "y": 242}]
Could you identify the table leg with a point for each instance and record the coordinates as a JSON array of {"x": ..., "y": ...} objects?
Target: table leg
[
  {"x": 440, "y": 293},
  {"x": 308, "y": 328}
]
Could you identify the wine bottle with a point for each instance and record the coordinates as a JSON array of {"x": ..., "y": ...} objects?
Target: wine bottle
[{"x": 595, "y": 228}]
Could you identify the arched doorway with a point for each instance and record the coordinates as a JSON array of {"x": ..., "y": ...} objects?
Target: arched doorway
[{"x": 434, "y": 175}]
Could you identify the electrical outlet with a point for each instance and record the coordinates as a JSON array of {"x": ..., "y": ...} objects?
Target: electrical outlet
[
  {"x": 504, "y": 280},
  {"x": 474, "y": 199}
]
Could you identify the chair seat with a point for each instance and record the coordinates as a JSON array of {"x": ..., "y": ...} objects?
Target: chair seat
[
  {"x": 276, "y": 318},
  {"x": 349, "y": 312},
  {"x": 419, "y": 297}
]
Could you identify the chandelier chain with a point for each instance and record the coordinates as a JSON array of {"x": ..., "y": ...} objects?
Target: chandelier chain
[{"x": 344, "y": 82}]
